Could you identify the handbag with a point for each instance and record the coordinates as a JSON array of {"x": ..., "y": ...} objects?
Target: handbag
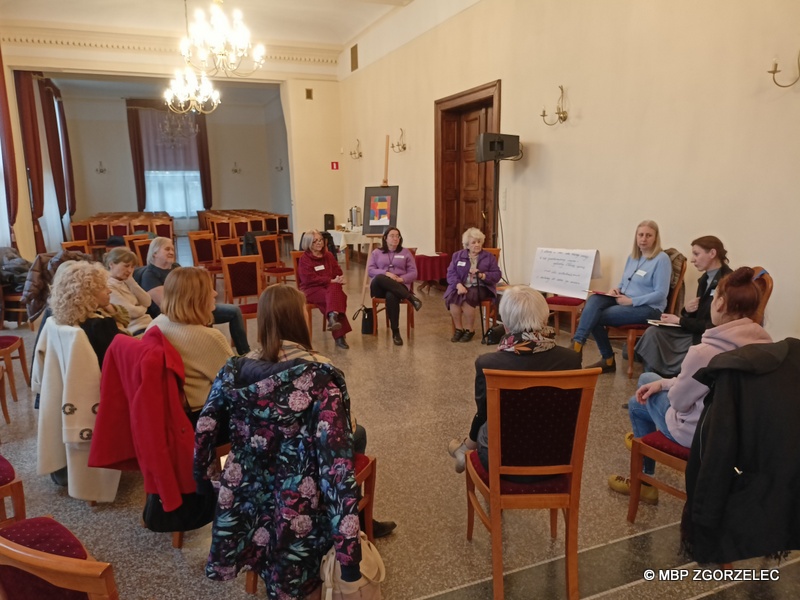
[
  {"x": 196, "y": 510},
  {"x": 373, "y": 572},
  {"x": 367, "y": 318}
]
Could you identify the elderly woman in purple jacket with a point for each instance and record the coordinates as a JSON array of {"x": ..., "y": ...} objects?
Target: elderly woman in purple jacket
[
  {"x": 393, "y": 271},
  {"x": 471, "y": 278}
]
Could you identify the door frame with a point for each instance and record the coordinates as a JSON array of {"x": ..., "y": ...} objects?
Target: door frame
[{"x": 487, "y": 94}]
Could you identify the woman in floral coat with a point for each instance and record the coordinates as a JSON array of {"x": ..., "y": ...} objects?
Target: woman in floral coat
[{"x": 287, "y": 492}]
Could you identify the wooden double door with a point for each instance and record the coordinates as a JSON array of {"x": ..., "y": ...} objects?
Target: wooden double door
[{"x": 464, "y": 187}]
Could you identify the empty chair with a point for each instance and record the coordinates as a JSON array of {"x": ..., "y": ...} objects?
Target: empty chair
[
  {"x": 77, "y": 246},
  {"x": 162, "y": 228},
  {"x": 203, "y": 254},
  {"x": 269, "y": 250},
  {"x": 243, "y": 280},
  {"x": 9, "y": 344},
  {"x": 40, "y": 558},
  {"x": 80, "y": 231},
  {"x": 226, "y": 248},
  {"x": 10, "y": 487}
]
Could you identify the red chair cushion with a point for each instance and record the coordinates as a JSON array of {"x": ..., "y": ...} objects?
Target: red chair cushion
[
  {"x": 558, "y": 484},
  {"x": 362, "y": 460},
  {"x": 278, "y": 271},
  {"x": 637, "y": 326},
  {"x": 7, "y": 473},
  {"x": 248, "y": 309},
  {"x": 7, "y": 340},
  {"x": 661, "y": 442},
  {"x": 564, "y": 301},
  {"x": 46, "y": 535}
]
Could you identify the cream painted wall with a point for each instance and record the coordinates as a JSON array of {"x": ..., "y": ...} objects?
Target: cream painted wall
[
  {"x": 672, "y": 117},
  {"x": 312, "y": 128}
]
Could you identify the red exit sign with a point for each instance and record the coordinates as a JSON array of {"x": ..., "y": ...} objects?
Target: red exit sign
[{"x": 334, "y": 166}]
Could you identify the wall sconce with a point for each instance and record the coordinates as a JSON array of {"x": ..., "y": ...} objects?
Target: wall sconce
[
  {"x": 280, "y": 165},
  {"x": 356, "y": 154},
  {"x": 561, "y": 114},
  {"x": 101, "y": 170},
  {"x": 236, "y": 170},
  {"x": 400, "y": 146},
  {"x": 775, "y": 71}
]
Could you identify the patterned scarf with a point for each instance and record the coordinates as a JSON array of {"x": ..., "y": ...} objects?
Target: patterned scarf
[{"x": 528, "y": 342}]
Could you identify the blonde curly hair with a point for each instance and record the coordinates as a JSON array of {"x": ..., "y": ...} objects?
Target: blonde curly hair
[{"x": 74, "y": 290}]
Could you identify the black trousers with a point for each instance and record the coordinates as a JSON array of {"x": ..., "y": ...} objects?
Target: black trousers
[{"x": 393, "y": 292}]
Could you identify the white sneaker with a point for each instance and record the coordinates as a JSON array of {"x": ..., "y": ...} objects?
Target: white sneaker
[{"x": 458, "y": 450}]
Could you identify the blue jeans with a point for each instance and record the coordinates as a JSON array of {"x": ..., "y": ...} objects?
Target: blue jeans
[
  {"x": 604, "y": 310},
  {"x": 232, "y": 315},
  {"x": 649, "y": 417}
]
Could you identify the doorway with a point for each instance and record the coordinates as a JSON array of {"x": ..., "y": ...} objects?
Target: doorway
[{"x": 464, "y": 188}]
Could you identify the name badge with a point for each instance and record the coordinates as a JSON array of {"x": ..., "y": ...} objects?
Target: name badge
[
  {"x": 640, "y": 273},
  {"x": 399, "y": 257},
  {"x": 711, "y": 293},
  {"x": 319, "y": 268},
  {"x": 461, "y": 263}
]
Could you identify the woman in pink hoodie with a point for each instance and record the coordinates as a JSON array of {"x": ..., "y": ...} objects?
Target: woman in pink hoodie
[{"x": 673, "y": 406}]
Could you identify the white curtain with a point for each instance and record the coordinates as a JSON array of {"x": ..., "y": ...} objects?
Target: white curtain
[
  {"x": 171, "y": 167},
  {"x": 5, "y": 236}
]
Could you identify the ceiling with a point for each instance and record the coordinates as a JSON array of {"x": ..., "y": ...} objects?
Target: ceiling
[{"x": 325, "y": 22}]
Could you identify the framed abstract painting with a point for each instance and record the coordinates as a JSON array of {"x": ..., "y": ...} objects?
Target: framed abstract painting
[{"x": 380, "y": 209}]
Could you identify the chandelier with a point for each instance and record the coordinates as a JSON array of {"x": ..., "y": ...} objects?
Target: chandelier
[
  {"x": 176, "y": 129},
  {"x": 187, "y": 93},
  {"x": 218, "y": 44}
]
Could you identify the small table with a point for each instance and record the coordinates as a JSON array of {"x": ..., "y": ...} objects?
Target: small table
[
  {"x": 431, "y": 269},
  {"x": 345, "y": 239}
]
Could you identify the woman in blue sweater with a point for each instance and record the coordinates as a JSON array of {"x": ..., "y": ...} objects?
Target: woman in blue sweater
[{"x": 640, "y": 295}]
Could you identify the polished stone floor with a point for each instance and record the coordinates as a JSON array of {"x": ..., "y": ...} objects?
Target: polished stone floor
[{"x": 413, "y": 400}]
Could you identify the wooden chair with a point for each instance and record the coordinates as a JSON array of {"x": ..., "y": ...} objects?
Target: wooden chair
[
  {"x": 56, "y": 558},
  {"x": 564, "y": 304},
  {"x": 8, "y": 345},
  {"x": 140, "y": 223},
  {"x": 80, "y": 231},
  {"x": 366, "y": 475},
  {"x": 130, "y": 239},
  {"x": 99, "y": 231},
  {"x": 203, "y": 254},
  {"x": 662, "y": 450},
  {"x": 240, "y": 227},
  {"x": 271, "y": 224},
  {"x": 12, "y": 304},
  {"x": 3, "y": 403},
  {"x": 10, "y": 487},
  {"x": 537, "y": 423},
  {"x": 120, "y": 227},
  {"x": 269, "y": 251},
  {"x": 376, "y": 302},
  {"x": 256, "y": 223},
  {"x": 227, "y": 248},
  {"x": 79, "y": 246},
  {"x": 631, "y": 333},
  {"x": 296, "y": 254},
  {"x": 140, "y": 249},
  {"x": 243, "y": 280},
  {"x": 221, "y": 227},
  {"x": 163, "y": 228}
]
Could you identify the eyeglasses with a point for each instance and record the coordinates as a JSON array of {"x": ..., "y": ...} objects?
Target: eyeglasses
[{"x": 320, "y": 240}]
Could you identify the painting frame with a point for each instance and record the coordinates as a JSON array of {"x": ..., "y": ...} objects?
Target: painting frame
[{"x": 380, "y": 209}]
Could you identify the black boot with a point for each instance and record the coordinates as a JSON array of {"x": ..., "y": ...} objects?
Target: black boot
[{"x": 398, "y": 341}]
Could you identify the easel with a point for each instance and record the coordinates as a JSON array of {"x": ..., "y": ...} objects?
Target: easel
[{"x": 375, "y": 238}]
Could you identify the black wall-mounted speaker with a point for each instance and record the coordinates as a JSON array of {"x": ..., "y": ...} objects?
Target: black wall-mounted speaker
[{"x": 496, "y": 146}]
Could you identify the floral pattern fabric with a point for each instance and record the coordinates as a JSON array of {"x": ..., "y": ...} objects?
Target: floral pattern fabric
[{"x": 287, "y": 492}]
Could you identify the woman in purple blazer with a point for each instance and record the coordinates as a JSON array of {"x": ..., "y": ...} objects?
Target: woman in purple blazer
[{"x": 471, "y": 278}]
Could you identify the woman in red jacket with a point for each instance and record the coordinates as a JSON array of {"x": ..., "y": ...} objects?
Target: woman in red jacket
[{"x": 321, "y": 279}]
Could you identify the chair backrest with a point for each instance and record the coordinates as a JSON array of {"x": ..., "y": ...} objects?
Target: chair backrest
[
  {"x": 202, "y": 248},
  {"x": 140, "y": 223},
  {"x": 221, "y": 227},
  {"x": 119, "y": 227},
  {"x": 243, "y": 277},
  {"x": 762, "y": 273},
  {"x": 269, "y": 250},
  {"x": 80, "y": 230},
  {"x": 538, "y": 422},
  {"x": 296, "y": 254},
  {"x": 676, "y": 283},
  {"x": 256, "y": 223},
  {"x": 130, "y": 239},
  {"x": 494, "y": 252},
  {"x": 240, "y": 227},
  {"x": 100, "y": 232},
  {"x": 77, "y": 246},
  {"x": 283, "y": 223},
  {"x": 226, "y": 248},
  {"x": 162, "y": 228},
  {"x": 87, "y": 575},
  {"x": 140, "y": 248},
  {"x": 271, "y": 223}
]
